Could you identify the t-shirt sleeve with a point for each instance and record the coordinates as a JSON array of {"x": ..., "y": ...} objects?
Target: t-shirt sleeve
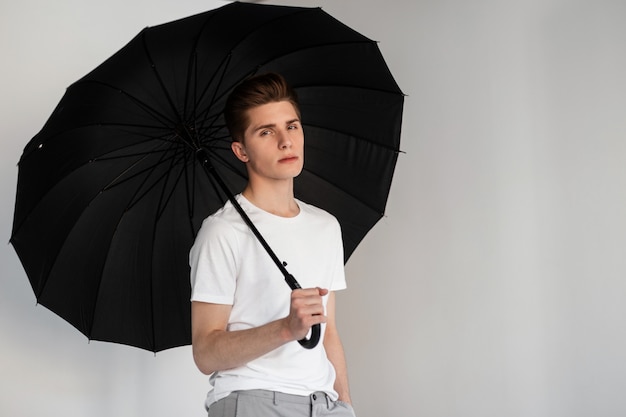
[{"x": 213, "y": 263}]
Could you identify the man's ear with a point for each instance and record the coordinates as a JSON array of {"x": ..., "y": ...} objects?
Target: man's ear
[{"x": 239, "y": 150}]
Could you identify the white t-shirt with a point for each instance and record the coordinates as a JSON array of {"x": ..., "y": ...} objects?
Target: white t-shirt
[{"x": 229, "y": 266}]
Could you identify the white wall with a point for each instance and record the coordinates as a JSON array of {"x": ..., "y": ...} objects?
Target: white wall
[{"x": 494, "y": 286}]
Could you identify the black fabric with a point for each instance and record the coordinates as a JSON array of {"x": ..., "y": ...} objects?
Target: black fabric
[{"x": 110, "y": 194}]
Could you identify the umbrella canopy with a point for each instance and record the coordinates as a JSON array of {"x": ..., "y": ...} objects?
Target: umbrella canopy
[{"x": 110, "y": 193}]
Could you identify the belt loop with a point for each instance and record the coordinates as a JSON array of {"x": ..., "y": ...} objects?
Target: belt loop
[
  {"x": 275, "y": 398},
  {"x": 328, "y": 401}
]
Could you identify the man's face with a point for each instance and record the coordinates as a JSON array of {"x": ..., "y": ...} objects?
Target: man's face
[{"x": 273, "y": 145}]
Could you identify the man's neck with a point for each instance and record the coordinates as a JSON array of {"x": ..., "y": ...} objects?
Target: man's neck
[{"x": 277, "y": 199}]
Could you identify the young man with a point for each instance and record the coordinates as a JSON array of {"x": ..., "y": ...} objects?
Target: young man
[{"x": 245, "y": 320}]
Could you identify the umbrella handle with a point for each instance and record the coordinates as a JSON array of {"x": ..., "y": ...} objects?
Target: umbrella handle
[
  {"x": 316, "y": 329},
  {"x": 313, "y": 340}
]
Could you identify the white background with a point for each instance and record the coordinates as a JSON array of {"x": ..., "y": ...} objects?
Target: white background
[{"x": 495, "y": 285}]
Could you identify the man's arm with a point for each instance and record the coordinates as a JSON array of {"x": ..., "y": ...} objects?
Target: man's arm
[
  {"x": 216, "y": 349},
  {"x": 334, "y": 350}
]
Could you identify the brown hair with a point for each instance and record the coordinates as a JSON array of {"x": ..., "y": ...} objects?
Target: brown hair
[{"x": 254, "y": 92}]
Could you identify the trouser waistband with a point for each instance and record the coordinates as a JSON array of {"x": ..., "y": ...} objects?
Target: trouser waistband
[{"x": 315, "y": 398}]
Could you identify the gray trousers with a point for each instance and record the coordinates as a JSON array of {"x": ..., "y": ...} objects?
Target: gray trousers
[{"x": 260, "y": 403}]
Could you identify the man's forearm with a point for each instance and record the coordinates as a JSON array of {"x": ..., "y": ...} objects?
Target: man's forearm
[{"x": 221, "y": 349}]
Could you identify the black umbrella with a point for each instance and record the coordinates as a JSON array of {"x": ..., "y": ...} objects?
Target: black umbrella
[{"x": 112, "y": 191}]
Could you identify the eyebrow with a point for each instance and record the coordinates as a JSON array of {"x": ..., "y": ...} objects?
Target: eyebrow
[{"x": 271, "y": 125}]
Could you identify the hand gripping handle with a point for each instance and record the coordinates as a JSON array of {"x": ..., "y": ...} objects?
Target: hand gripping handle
[{"x": 316, "y": 329}]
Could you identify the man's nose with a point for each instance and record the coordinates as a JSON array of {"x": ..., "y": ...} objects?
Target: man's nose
[{"x": 284, "y": 140}]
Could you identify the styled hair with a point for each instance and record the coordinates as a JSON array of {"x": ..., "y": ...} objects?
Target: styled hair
[{"x": 253, "y": 92}]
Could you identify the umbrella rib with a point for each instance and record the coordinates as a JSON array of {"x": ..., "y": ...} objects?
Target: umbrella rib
[
  {"x": 174, "y": 161},
  {"x": 226, "y": 61},
  {"x": 26, "y": 216},
  {"x": 191, "y": 193},
  {"x": 224, "y": 66},
  {"x": 324, "y": 45},
  {"x": 155, "y": 114},
  {"x": 206, "y": 113},
  {"x": 191, "y": 196},
  {"x": 360, "y": 138},
  {"x": 132, "y": 201},
  {"x": 130, "y": 155},
  {"x": 346, "y": 192},
  {"x": 193, "y": 71},
  {"x": 357, "y": 87},
  {"x": 161, "y": 206},
  {"x": 138, "y": 196},
  {"x": 98, "y": 125},
  {"x": 228, "y": 165},
  {"x": 110, "y": 185},
  {"x": 155, "y": 70}
]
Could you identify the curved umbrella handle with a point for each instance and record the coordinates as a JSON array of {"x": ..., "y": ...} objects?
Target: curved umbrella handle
[
  {"x": 316, "y": 329},
  {"x": 313, "y": 340}
]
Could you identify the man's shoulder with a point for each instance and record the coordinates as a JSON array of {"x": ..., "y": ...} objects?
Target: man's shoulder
[
  {"x": 317, "y": 212},
  {"x": 223, "y": 221}
]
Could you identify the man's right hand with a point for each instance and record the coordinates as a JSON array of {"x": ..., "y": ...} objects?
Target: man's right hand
[{"x": 306, "y": 310}]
